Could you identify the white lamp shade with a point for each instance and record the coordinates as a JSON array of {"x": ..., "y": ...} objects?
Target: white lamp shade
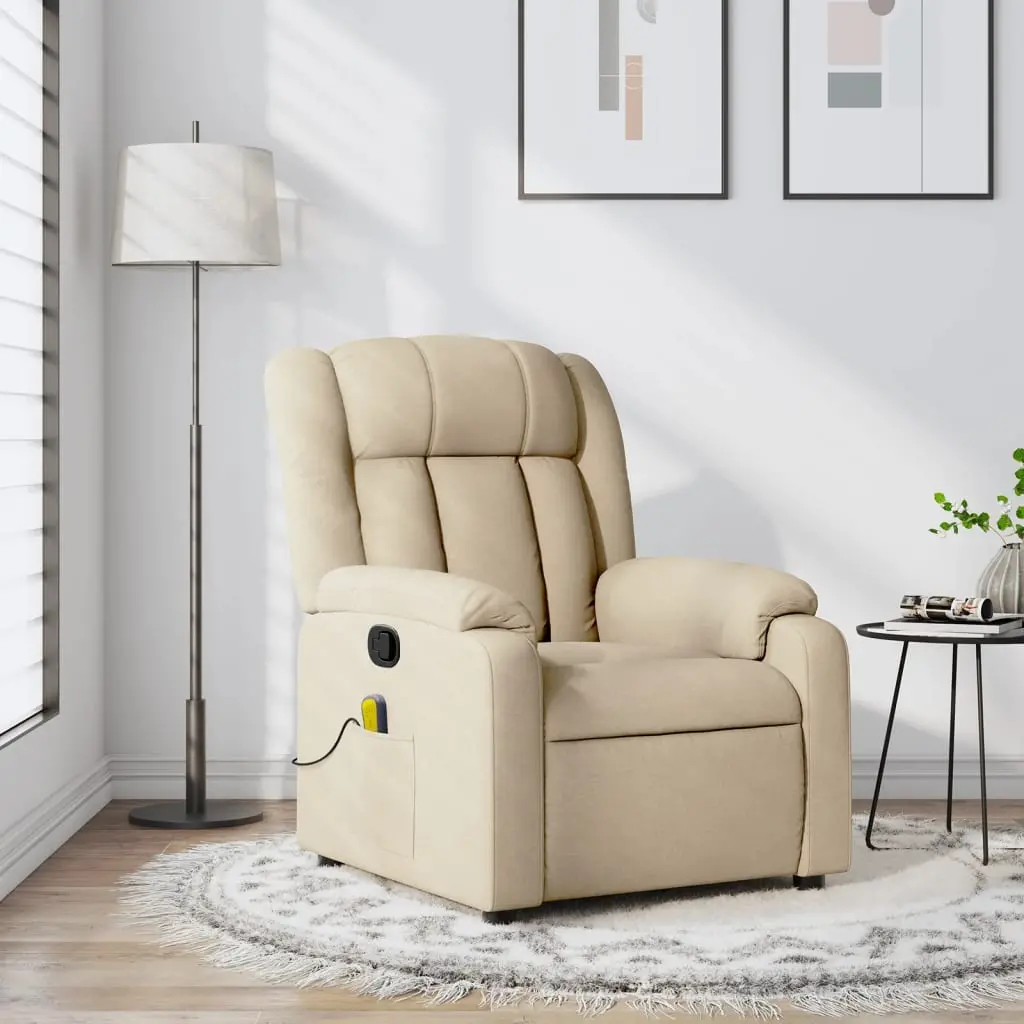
[{"x": 196, "y": 202}]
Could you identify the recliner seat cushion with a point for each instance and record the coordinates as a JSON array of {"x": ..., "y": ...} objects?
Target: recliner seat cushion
[{"x": 603, "y": 690}]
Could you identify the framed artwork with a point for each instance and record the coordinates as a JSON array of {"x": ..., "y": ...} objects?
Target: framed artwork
[
  {"x": 623, "y": 99},
  {"x": 888, "y": 99}
]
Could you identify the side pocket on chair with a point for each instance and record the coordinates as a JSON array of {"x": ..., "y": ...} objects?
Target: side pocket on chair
[{"x": 381, "y": 789}]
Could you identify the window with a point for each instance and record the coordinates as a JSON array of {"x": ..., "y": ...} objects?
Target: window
[{"x": 28, "y": 362}]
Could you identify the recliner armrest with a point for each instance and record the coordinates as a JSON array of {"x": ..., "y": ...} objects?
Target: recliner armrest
[
  {"x": 722, "y": 608},
  {"x": 440, "y": 598}
]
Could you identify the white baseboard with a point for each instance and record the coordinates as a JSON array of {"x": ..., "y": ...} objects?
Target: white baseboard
[
  {"x": 924, "y": 778},
  {"x": 163, "y": 778},
  {"x": 42, "y": 832},
  {"x": 906, "y": 778}
]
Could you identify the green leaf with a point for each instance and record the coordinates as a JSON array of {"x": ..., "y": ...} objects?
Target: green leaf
[
  {"x": 946, "y": 526},
  {"x": 1002, "y": 499},
  {"x": 940, "y": 498},
  {"x": 1019, "y": 489},
  {"x": 956, "y": 529},
  {"x": 1020, "y": 512},
  {"x": 963, "y": 504},
  {"x": 1019, "y": 455},
  {"x": 933, "y": 530},
  {"x": 1019, "y": 474},
  {"x": 947, "y": 507},
  {"x": 1004, "y": 522}
]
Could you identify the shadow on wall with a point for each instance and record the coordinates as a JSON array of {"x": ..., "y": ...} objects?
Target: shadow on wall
[
  {"x": 922, "y": 774},
  {"x": 869, "y": 723},
  {"x": 709, "y": 518}
]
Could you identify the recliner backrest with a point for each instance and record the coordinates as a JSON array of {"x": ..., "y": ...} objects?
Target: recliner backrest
[{"x": 496, "y": 460}]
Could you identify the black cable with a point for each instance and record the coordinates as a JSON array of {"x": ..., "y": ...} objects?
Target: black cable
[{"x": 334, "y": 747}]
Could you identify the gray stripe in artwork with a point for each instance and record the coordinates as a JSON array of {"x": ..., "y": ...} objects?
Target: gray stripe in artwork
[
  {"x": 608, "y": 55},
  {"x": 854, "y": 89}
]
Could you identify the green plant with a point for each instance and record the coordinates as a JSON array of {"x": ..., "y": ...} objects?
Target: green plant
[{"x": 1004, "y": 526}]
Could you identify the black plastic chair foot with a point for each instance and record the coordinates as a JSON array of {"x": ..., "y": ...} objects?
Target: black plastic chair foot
[
  {"x": 498, "y": 916},
  {"x": 326, "y": 862},
  {"x": 803, "y": 882}
]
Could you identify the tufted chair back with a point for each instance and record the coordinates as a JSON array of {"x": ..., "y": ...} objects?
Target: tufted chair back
[{"x": 495, "y": 460}]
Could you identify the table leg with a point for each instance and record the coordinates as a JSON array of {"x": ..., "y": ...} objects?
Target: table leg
[
  {"x": 952, "y": 734},
  {"x": 885, "y": 744},
  {"x": 981, "y": 758}
]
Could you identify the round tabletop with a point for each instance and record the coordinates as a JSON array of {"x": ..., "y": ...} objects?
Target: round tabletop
[{"x": 875, "y": 631}]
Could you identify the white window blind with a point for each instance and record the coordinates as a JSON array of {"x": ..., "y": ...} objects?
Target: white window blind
[{"x": 28, "y": 314}]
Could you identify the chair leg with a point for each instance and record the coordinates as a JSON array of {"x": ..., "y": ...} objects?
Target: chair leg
[
  {"x": 326, "y": 862},
  {"x": 498, "y": 916},
  {"x": 803, "y": 882}
]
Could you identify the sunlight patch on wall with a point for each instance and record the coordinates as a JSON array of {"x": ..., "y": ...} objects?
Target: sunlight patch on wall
[
  {"x": 355, "y": 117},
  {"x": 320, "y": 252}
]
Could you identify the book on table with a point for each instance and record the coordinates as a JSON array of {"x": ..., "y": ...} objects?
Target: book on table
[{"x": 996, "y": 625}]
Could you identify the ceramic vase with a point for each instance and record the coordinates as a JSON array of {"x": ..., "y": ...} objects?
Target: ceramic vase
[{"x": 1003, "y": 579}]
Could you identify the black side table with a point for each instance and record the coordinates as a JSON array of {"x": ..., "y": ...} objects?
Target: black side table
[{"x": 875, "y": 631}]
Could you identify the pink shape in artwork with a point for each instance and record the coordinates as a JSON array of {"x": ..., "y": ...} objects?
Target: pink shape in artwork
[
  {"x": 634, "y": 98},
  {"x": 854, "y": 34}
]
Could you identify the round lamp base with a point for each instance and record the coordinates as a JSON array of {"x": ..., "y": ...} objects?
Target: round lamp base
[{"x": 218, "y": 814}]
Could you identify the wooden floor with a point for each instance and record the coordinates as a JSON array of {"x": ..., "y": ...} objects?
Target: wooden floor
[{"x": 65, "y": 957}]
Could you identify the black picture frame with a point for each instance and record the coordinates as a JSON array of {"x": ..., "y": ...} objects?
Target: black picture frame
[
  {"x": 722, "y": 194},
  {"x": 787, "y": 192}
]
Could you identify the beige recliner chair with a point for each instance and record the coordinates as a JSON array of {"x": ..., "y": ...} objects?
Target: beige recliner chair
[{"x": 565, "y": 719}]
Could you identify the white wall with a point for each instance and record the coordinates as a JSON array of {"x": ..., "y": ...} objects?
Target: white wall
[
  {"x": 795, "y": 380},
  {"x": 60, "y": 769}
]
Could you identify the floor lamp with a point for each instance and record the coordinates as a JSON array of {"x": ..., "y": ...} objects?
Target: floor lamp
[{"x": 196, "y": 205}]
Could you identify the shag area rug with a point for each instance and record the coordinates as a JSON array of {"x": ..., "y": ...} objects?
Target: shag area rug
[{"x": 922, "y": 926}]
